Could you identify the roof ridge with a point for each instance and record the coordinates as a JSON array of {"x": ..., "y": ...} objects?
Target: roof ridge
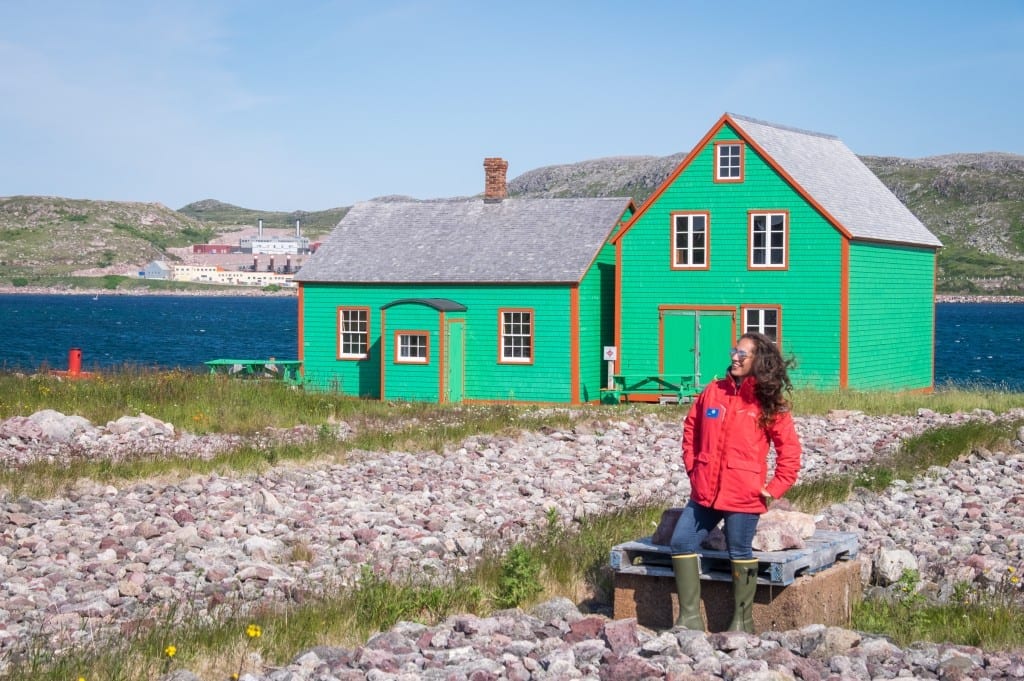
[{"x": 748, "y": 119}]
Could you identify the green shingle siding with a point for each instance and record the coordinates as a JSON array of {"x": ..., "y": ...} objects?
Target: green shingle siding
[
  {"x": 892, "y": 317},
  {"x": 412, "y": 381},
  {"x": 597, "y": 323},
  {"x": 808, "y": 291},
  {"x": 545, "y": 380}
]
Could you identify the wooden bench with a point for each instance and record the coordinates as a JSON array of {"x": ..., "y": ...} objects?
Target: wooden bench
[
  {"x": 665, "y": 388},
  {"x": 285, "y": 369}
]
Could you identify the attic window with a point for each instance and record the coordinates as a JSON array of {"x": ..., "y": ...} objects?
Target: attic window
[{"x": 728, "y": 162}]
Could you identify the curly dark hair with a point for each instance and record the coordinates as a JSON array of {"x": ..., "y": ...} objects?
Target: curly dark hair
[{"x": 771, "y": 372}]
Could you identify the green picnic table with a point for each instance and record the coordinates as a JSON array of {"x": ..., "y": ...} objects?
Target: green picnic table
[
  {"x": 680, "y": 388},
  {"x": 285, "y": 369}
]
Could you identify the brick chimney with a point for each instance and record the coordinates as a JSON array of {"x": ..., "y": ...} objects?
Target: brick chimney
[{"x": 495, "y": 189}]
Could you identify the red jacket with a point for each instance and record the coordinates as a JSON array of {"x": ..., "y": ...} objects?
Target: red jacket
[{"x": 725, "y": 451}]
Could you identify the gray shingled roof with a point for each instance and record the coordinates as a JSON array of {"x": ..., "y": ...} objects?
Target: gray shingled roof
[
  {"x": 840, "y": 183},
  {"x": 465, "y": 241}
]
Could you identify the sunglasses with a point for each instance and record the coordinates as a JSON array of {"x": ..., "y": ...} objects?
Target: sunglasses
[{"x": 740, "y": 354}]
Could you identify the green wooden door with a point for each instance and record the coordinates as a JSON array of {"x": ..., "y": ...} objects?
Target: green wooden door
[
  {"x": 697, "y": 342},
  {"x": 455, "y": 362}
]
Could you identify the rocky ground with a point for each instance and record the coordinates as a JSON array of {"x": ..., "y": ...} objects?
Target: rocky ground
[{"x": 100, "y": 559}]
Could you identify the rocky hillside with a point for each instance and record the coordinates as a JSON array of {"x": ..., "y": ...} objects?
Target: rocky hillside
[
  {"x": 973, "y": 202},
  {"x": 42, "y": 236}
]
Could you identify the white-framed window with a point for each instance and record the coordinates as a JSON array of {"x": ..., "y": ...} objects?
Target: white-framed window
[
  {"x": 728, "y": 161},
  {"x": 516, "y": 336},
  {"x": 412, "y": 347},
  {"x": 690, "y": 240},
  {"x": 768, "y": 237},
  {"x": 763, "y": 319},
  {"x": 353, "y": 332}
]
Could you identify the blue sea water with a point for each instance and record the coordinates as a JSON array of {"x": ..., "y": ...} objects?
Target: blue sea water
[
  {"x": 980, "y": 344},
  {"x": 144, "y": 331},
  {"x": 975, "y": 343}
]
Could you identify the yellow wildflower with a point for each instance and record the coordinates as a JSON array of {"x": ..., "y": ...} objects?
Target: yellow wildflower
[
  {"x": 254, "y": 631},
  {"x": 170, "y": 651}
]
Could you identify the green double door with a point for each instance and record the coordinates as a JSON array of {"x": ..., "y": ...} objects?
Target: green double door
[{"x": 696, "y": 342}]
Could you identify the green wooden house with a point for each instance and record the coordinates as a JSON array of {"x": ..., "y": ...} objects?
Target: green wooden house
[
  {"x": 767, "y": 228},
  {"x": 487, "y": 299}
]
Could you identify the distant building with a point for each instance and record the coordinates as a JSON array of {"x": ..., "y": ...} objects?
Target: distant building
[
  {"x": 271, "y": 245},
  {"x": 274, "y": 245},
  {"x": 212, "y": 249},
  {"x": 202, "y": 273},
  {"x": 212, "y": 274},
  {"x": 157, "y": 269}
]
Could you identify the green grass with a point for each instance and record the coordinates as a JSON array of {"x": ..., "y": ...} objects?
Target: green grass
[
  {"x": 945, "y": 400},
  {"x": 556, "y": 559},
  {"x": 992, "y": 620}
]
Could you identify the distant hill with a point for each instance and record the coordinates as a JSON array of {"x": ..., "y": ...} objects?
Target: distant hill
[
  {"x": 214, "y": 213},
  {"x": 43, "y": 236},
  {"x": 973, "y": 202}
]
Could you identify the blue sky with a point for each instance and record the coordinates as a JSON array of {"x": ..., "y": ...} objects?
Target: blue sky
[{"x": 317, "y": 104}]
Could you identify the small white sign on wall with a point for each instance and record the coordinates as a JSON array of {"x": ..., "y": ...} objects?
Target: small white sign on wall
[{"x": 610, "y": 354}]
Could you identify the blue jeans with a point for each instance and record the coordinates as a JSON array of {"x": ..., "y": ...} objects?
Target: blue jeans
[{"x": 697, "y": 521}]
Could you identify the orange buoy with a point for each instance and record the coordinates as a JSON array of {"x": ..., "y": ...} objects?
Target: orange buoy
[{"x": 74, "y": 361}]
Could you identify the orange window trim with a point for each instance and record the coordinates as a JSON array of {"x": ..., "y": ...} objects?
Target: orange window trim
[
  {"x": 672, "y": 240},
  {"x": 410, "y": 332},
  {"x": 743, "y": 162},
  {"x": 754, "y": 306},
  {"x": 337, "y": 322},
  {"x": 501, "y": 335},
  {"x": 750, "y": 240}
]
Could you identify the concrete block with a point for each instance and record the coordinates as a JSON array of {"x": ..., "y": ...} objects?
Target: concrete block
[{"x": 826, "y": 597}]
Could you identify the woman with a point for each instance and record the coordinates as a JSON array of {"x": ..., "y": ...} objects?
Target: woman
[{"x": 726, "y": 439}]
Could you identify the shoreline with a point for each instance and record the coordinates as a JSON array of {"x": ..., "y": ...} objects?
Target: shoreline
[
  {"x": 246, "y": 291},
  {"x": 954, "y": 298},
  {"x": 257, "y": 291}
]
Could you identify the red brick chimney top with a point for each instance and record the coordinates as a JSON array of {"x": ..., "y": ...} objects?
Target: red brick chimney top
[{"x": 495, "y": 188}]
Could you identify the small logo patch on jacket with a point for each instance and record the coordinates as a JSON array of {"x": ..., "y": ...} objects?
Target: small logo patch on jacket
[{"x": 712, "y": 412}]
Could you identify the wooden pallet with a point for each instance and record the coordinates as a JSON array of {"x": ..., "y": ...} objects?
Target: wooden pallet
[{"x": 824, "y": 549}]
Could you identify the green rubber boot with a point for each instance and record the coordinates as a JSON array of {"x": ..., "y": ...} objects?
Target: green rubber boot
[
  {"x": 687, "y": 570},
  {"x": 744, "y": 585}
]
